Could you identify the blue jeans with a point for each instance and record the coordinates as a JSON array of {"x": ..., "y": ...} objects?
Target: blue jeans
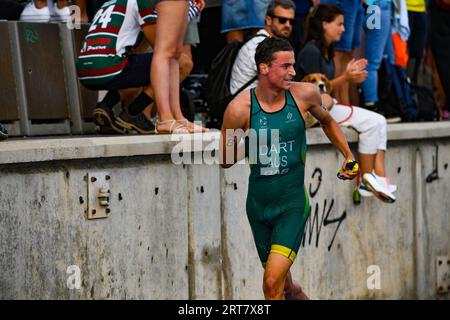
[
  {"x": 378, "y": 43},
  {"x": 243, "y": 14}
]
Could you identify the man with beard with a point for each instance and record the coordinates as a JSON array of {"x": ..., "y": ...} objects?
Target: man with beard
[{"x": 279, "y": 22}]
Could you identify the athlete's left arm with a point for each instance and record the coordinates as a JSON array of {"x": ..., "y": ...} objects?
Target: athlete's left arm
[{"x": 313, "y": 104}]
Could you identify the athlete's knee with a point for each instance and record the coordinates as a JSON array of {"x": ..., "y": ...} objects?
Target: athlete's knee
[{"x": 273, "y": 287}]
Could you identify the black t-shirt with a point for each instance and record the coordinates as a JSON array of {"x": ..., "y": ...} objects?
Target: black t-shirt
[{"x": 310, "y": 60}]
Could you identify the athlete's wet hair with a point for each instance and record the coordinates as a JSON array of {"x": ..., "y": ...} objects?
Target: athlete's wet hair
[{"x": 266, "y": 49}]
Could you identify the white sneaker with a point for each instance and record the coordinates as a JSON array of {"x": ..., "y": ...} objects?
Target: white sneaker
[
  {"x": 392, "y": 188},
  {"x": 60, "y": 15},
  {"x": 364, "y": 191},
  {"x": 32, "y": 14},
  {"x": 386, "y": 181},
  {"x": 393, "y": 120},
  {"x": 379, "y": 187}
]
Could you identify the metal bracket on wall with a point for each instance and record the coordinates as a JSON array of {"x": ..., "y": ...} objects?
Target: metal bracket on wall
[
  {"x": 98, "y": 195},
  {"x": 443, "y": 274}
]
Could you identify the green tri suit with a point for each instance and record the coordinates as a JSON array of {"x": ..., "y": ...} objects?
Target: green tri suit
[{"x": 277, "y": 204}]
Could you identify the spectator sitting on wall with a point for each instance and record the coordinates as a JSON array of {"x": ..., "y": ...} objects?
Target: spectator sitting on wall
[
  {"x": 118, "y": 67},
  {"x": 325, "y": 27}
]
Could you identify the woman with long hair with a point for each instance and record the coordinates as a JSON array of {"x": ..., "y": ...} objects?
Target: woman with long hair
[{"x": 324, "y": 28}]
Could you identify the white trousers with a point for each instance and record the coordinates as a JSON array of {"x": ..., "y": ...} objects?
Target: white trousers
[{"x": 370, "y": 125}]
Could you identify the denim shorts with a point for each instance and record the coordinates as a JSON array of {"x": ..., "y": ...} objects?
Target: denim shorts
[
  {"x": 243, "y": 14},
  {"x": 135, "y": 74},
  {"x": 353, "y": 21}
]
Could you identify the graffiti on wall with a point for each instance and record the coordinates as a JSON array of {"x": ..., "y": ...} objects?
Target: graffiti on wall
[{"x": 323, "y": 216}]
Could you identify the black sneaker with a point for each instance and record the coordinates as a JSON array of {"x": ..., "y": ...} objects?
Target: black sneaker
[
  {"x": 105, "y": 121},
  {"x": 3, "y": 132},
  {"x": 372, "y": 106},
  {"x": 138, "y": 123}
]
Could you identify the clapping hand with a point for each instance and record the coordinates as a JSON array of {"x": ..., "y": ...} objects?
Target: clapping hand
[{"x": 356, "y": 70}]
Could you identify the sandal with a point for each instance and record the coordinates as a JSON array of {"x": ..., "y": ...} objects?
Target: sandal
[
  {"x": 192, "y": 127},
  {"x": 173, "y": 125}
]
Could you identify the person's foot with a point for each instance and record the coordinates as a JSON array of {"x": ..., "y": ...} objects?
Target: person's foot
[
  {"x": 139, "y": 123},
  {"x": 365, "y": 191},
  {"x": 170, "y": 126},
  {"x": 104, "y": 121},
  {"x": 192, "y": 127},
  {"x": 379, "y": 187},
  {"x": 393, "y": 120},
  {"x": 295, "y": 294},
  {"x": 385, "y": 181},
  {"x": 32, "y": 14},
  {"x": 3, "y": 133},
  {"x": 60, "y": 15}
]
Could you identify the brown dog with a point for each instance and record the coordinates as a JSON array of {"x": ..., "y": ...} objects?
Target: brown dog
[
  {"x": 320, "y": 80},
  {"x": 324, "y": 85}
]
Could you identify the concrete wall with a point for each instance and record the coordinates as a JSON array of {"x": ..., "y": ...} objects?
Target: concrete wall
[{"x": 181, "y": 232}]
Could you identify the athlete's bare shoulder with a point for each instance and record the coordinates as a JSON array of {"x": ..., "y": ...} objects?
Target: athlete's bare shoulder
[
  {"x": 305, "y": 91},
  {"x": 307, "y": 94}
]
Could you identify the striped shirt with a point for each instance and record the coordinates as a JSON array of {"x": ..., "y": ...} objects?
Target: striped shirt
[{"x": 113, "y": 32}]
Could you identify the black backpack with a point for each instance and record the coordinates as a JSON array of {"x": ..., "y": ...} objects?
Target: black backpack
[
  {"x": 394, "y": 92},
  {"x": 424, "y": 100},
  {"x": 217, "y": 87}
]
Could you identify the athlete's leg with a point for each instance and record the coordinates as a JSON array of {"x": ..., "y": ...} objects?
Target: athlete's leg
[
  {"x": 292, "y": 290},
  {"x": 275, "y": 274}
]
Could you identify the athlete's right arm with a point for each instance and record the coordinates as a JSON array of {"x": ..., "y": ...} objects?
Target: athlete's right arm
[{"x": 234, "y": 125}]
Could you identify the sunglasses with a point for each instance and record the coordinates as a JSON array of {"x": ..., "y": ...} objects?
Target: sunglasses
[{"x": 283, "y": 20}]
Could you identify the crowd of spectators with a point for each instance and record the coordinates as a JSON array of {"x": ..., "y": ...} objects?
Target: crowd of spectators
[{"x": 368, "y": 33}]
